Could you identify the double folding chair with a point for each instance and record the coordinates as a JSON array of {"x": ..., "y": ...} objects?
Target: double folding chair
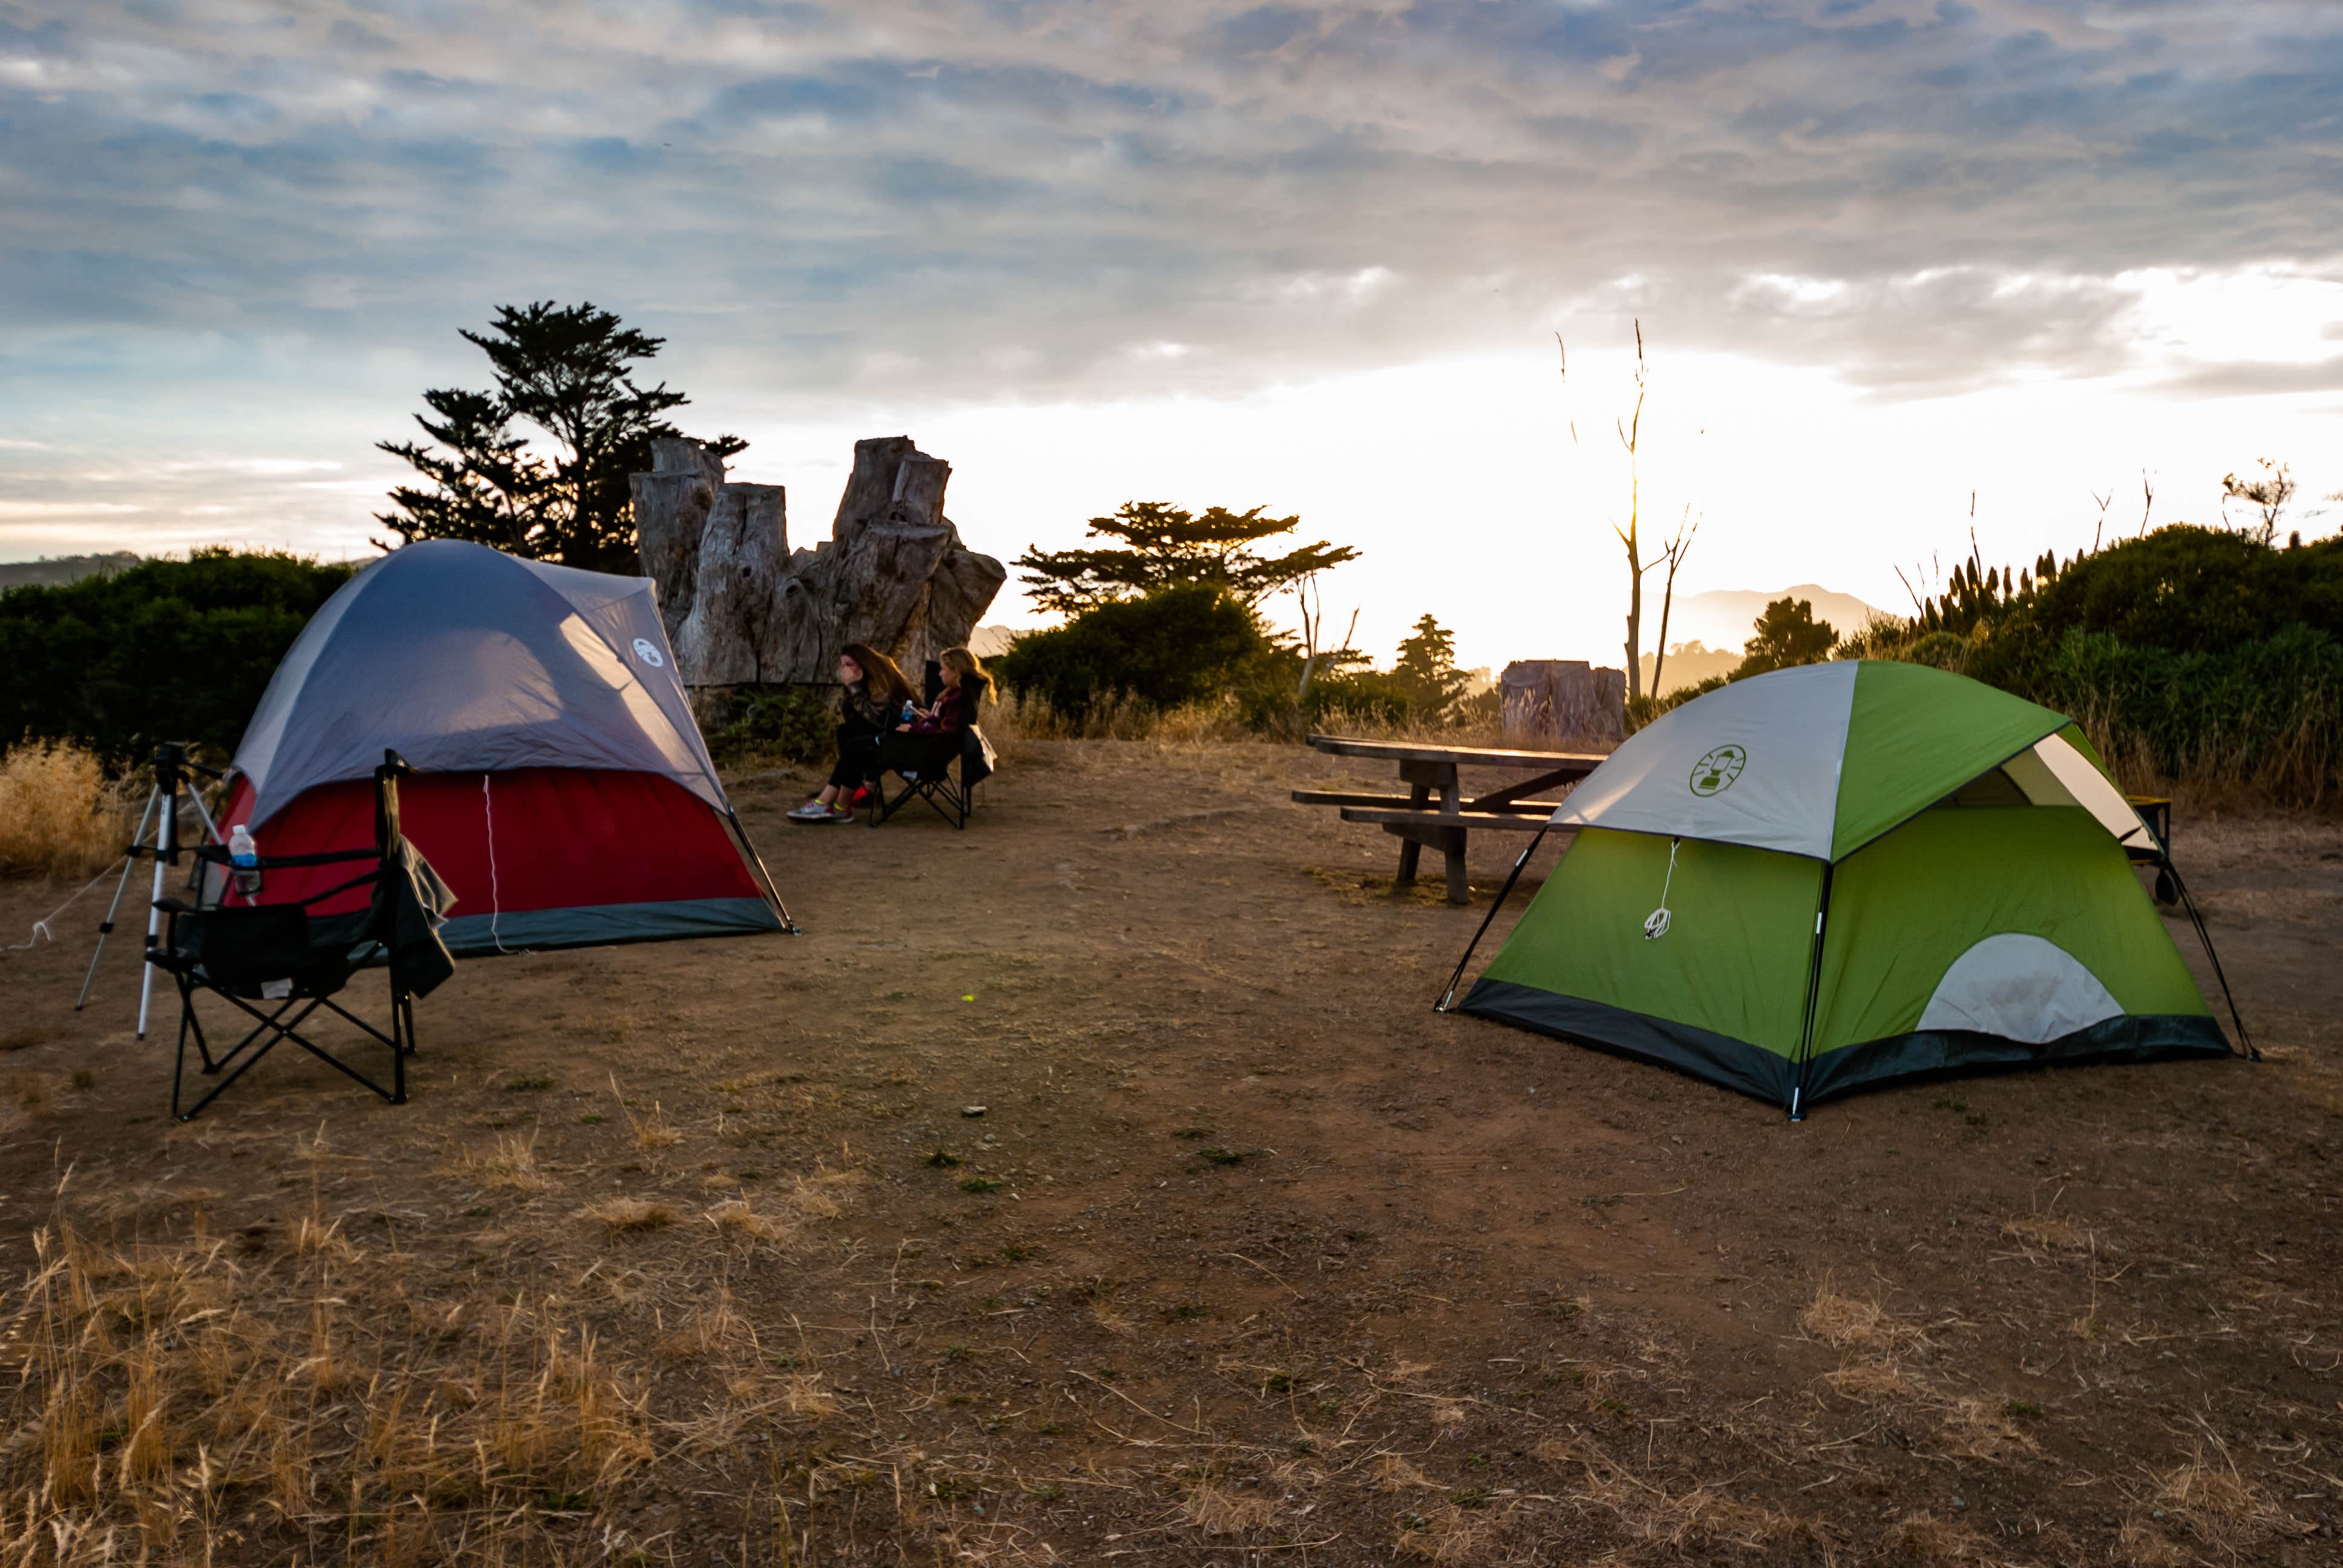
[
  {"x": 278, "y": 964},
  {"x": 948, "y": 784},
  {"x": 947, "y": 776}
]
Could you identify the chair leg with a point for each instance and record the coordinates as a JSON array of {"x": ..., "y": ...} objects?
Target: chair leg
[
  {"x": 400, "y": 1041},
  {"x": 271, "y": 1024}
]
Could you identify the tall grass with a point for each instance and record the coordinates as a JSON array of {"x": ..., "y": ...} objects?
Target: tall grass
[
  {"x": 1016, "y": 719},
  {"x": 60, "y": 815}
]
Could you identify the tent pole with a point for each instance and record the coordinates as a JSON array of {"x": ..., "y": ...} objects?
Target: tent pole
[
  {"x": 772, "y": 892},
  {"x": 1813, "y": 997},
  {"x": 2181, "y": 887},
  {"x": 1502, "y": 894}
]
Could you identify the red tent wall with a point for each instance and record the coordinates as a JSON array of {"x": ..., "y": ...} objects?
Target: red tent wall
[{"x": 582, "y": 856}]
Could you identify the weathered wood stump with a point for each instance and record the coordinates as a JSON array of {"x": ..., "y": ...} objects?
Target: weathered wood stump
[
  {"x": 743, "y": 609},
  {"x": 1559, "y": 701}
]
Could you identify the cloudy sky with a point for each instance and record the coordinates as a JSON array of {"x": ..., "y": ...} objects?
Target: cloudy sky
[{"x": 1886, "y": 254}]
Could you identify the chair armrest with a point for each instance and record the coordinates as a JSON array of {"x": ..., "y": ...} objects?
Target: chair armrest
[{"x": 177, "y": 907}]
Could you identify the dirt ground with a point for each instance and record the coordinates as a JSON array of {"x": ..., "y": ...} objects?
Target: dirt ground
[{"x": 703, "y": 1252}]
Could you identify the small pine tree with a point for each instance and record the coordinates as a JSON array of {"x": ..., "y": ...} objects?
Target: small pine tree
[
  {"x": 1427, "y": 668},
  {"x": 1160, "y": 546},
  {"x": 1787, "y": 634}
]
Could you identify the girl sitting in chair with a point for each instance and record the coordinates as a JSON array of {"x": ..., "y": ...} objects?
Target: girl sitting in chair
[
  {"x": 928, "y": 744},
  {"x": 873, "y": 703}
]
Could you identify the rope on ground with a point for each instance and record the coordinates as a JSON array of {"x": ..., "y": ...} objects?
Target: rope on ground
[{"x": 41, "y": 932}]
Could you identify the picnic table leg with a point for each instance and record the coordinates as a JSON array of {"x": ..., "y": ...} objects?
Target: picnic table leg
[
  {"x": 1460, "y": 891},
  {"x": 1422, "y": 779},
  {"x": 1411, "y": 852}
]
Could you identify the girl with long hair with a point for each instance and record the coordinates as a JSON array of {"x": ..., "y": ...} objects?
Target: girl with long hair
[{"x": 874, "y": 700}]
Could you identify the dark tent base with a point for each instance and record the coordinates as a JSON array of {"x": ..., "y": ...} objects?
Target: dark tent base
[
  {"x": 1764, "y": 1075},
  {"x": 607, "y": 925}
]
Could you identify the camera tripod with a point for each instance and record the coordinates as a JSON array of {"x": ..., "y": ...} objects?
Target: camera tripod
[{"x": 171, "y": 778}]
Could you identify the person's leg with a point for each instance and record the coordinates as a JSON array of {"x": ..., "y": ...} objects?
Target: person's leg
[{"x": 845, "y": 775}]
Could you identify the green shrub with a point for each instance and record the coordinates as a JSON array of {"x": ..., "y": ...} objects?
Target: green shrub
[
  {"x": 1371, "y": 697},
  {"x": 2191, "y": 591},
  {"x": 1379, "y": 697},
  {"x": 1176, "y": 646},
  {"x": 798, "y": 723},
  {"x": 167, "y": 650},
  {"x": 2192, "y": 655}
]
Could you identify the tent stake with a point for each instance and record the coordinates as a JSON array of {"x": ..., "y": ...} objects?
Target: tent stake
[{"x": 1502, "y": 894}]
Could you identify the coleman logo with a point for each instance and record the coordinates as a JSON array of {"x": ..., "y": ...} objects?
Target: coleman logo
[
  {"x": 1715, "y": 772},
  {"x": 648, "y": 653}
]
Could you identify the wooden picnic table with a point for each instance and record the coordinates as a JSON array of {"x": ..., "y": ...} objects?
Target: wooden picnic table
[{"x": 1417, "y": 819}]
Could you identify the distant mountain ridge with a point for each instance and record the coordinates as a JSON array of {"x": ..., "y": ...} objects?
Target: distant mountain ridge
[
  {"x": 55, "y": 571},
  {"x": 1721, "y": 617}
]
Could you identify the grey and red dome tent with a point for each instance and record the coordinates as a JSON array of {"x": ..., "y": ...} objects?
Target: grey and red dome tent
[{"x": 564, "y": 792}]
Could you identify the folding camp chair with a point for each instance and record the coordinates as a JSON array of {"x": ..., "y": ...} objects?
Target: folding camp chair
[
  {"x": 946, "y": 778},
  {"x": 948, "y": 785},
  {"x": 278, "y": 964}
]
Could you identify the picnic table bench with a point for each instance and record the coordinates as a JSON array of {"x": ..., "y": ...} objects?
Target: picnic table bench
[{"x": 1417, "y": 819}]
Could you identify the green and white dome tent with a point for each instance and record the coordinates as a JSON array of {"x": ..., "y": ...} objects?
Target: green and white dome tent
[{"x": 1834, "y": 876}]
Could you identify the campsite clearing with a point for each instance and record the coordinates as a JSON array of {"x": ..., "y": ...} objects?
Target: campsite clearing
[{"x": 689, "y": 1252}]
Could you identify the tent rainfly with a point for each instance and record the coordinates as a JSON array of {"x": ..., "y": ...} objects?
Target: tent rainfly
[
  {"x": 564, "y": 791},
  {"x": 1836, "y": 876}
]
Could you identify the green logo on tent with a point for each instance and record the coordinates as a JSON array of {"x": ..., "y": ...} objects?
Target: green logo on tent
[{"x": 1716, "y": 771}]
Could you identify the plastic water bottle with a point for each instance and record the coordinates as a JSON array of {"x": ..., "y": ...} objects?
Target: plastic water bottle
[{"x": 244, "y": 859}]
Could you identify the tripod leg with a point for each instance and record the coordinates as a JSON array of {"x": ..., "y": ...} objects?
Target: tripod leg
[
  {"x": 166, "y": 839},
  {"x": 129, "y": 864}
]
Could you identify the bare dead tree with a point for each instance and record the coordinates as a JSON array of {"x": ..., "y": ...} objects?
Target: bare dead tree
[
  {"x": 1673, "y": 553},
  {"x": 1314, "y": 623},
  {"x": 2105, "y": 502},
  {"x": 2146, "y": 502},
  {"x": 2267, "y": 495},
  {"x": 1631, "y": 430}
]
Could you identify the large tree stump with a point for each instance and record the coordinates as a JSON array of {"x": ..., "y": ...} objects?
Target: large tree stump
[
  {"x": 893, "y": 575},
  {"x": 744, "y": 552},
  {"x": 671, "y": 505},
  {"x": 1559, "y": 701}
]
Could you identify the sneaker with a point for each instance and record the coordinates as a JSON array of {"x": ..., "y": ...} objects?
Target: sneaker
[
  {"x": 812, "y": 811},
  {"x": 834, "y": 814}
]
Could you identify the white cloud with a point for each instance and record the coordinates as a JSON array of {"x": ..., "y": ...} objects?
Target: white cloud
[{"x": 42, "y": 511}]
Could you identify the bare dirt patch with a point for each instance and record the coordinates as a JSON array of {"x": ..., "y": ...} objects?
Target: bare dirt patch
[{"x": 694, "y": 1253}]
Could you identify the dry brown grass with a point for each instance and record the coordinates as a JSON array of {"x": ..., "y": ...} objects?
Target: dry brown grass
[
  {"x": 738, "y": 1219},
  {"x": 1014, "y": 720},
  {"x": 1219, "y": 1511},
  {"x": 619, "y": 1216},
  {"x": 60, "y": 816},
  {"x": 1871, "y": 1381},
  {"x": 1922, "y": 1537},
  {"x": 2048, "y": 1231},
  {"x": 2211, "y": 1500},
  {"x": 1986, "y": 1429},
  {"x": 1448, "y": 1535},
  {"x": 820, "y": 1196},
  {"x": 1396, "y": 1473},
  {"x": 509, "y": 1163},
  {"x": 1854, "y": 1322},
  {"x": 171, "y": 1405}
]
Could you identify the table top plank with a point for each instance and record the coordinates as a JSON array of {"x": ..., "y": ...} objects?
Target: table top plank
[{"x": 1572, "y": 762}]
